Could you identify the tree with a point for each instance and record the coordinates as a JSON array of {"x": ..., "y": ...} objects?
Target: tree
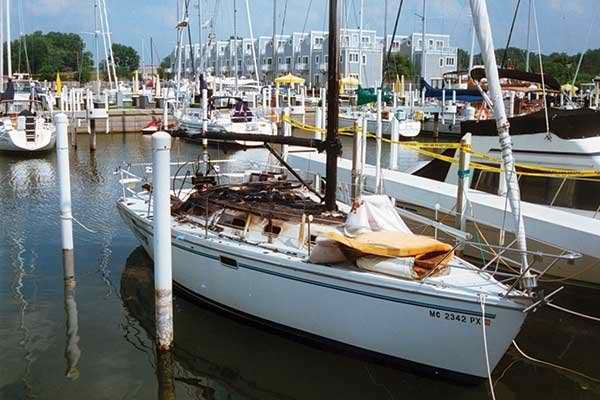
[
  {"x": 398, "y": 65},
  {"x": 463, "y": 60},
  {"x": 126, "y": 58},
  {"x": 43, "y": 55}
]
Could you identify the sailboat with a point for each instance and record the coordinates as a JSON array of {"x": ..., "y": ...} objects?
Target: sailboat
[{"x": 259, "y": 245}]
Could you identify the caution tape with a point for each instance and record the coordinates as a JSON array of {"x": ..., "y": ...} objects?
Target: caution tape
[{"x": 424, "y": 148}]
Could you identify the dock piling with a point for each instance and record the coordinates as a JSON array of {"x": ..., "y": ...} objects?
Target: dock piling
[
  {"x": 64, "y": 181},
  {"x": 92, "y": 134},
  {"x": 205, "y": 122},
  {"x": 394, "y": 136},
  {"x": 464, "y": 179},
  {"x": 163, "y": 291},
  {"x": 378, "y": 180}
]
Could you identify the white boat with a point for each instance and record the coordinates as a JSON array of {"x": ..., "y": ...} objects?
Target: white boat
[
  {"x": 225, "y": 117},
  {"x": 25, "y": 120},
  {"x": 407, "y": 127},
  {"x": 259, "y": 267}
]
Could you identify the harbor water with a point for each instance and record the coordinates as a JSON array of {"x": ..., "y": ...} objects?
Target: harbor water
[{"x": 94, "y": 339}]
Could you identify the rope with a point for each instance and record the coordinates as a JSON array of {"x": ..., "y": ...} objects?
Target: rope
[
  {"x": 532, "y": 170},
  {"x": 573, "y": 312},
  {"x": 553, "y": 365},
  {"x": 487, "y": 358},
  {"x": 83, "y": 226}
]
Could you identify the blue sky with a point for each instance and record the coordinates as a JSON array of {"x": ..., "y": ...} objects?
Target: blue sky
[{"x": 564, "y": 25}]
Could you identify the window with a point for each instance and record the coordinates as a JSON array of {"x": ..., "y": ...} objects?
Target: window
[
  {"x": 278, "y": 60},
  {"x": 299, "y": 59},
  {"x": 441, "y": 61},
  {"x": 364, "y": 59},
  {"x": 271, "y": 229},
  {"x": 353, "y": 57},
  {"x": 440, "y": 44},
  {"x": 430, "y": 43},
  {"x": 317, "y": 60},
  {"x": 248, "y": 47},
  {"x": 318, "y": 41},
  {"x": 269, "y": 61},
  {"x": 354, "y": 39},
  {"x": 305, "y": 59},
  {"x": 326, "y": 58},
  {"x": 366, "y": 40},
  {"x": 421, "y": 43},
  {"x": 450, "y": 61},
  {"x": 288, "y": 60}
]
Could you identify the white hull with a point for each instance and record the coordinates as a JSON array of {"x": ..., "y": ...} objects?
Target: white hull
[
  {"x": 432, "y": 325},
  {"x": 261, "y": 127},
  {"x": 407, "y": 128},
  {"x": 541, "y": 148},
  {"x": 44, "y": 139}
]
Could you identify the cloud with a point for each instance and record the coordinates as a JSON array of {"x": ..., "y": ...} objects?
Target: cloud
[{"x": 56, "y": 8}]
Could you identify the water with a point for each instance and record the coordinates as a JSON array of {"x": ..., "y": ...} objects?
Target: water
[{"x": 95, "y": 341}]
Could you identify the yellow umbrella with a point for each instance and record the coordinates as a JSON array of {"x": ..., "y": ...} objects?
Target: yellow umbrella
[
  {"x": 58, "y": 84},
  {"x": 289, "y": 79},
  {"x": 567, "y": 87},
  {"x": 350, "y": 81}
]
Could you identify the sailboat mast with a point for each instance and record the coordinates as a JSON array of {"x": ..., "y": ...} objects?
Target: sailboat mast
[
  {"x": 200, "y": 51},
  {"x": 273, "y": 64},
  {"x": 333, "y": 92},
  {"x": 8, "y": 44},
  {"x": 235, "y": 48},
  {"x": 97, "y": 46},
  {"x": 528, "y": 42},
  {"x": 2, "y": 46},
  {"x": 385, "y": 38},
  {"x": 253, "y": 46},
  {"x": 424, "y": 46},
  {"x": 486, "y": 44}
]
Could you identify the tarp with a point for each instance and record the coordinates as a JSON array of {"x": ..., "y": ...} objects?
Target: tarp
[
  {"x": 369, "y": 95},
  {"x": 467, "y": 95},
  {"x": 58, "y": 85},
  {"x": 390, "y": 243}
]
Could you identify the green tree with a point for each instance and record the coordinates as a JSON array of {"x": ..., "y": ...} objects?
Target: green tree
[
  {"x": 43, "y": 55},
  {"x": 398, "y": 65},
  {"x": 126, "y": 58},
  {"x": 463, "y": 60}
]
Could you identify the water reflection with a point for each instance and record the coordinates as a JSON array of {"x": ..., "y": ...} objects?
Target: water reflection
[{"x": 72, "y": 350}]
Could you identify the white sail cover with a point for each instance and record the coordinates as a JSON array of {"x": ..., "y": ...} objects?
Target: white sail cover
[{"x": 374, "y": 213}]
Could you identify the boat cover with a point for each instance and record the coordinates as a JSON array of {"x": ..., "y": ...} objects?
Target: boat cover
[{"x": 391, "y": 243}]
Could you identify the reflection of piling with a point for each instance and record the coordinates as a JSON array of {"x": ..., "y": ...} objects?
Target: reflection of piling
[
  {"x": 165, "y": 375},
  {"x": 72, "y": 350},
  {"x": 93, "y": 135},
  {"x": 64, "y": 180},
  {"x": 161, "y": 171}
]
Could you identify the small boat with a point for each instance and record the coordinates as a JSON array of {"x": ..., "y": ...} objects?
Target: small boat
[
  {"x": 153, "y": 126},
  {"x": 25, "y": 119},
  {"x": 226, "y": 114},
  {"x": 407, "y": 127}
]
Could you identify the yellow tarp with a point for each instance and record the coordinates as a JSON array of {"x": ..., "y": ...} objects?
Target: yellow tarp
[
  {"x": 391, "y": 244},
  {"x": 58, "y": 84}
]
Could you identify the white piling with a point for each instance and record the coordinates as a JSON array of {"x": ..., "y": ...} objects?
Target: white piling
[
  {"x": 464, "y": 179},
  {"x": 161, "y": 199},
  {"x": 443, "y": 110},
  {"x": 394, "y": 135},
  {"x": 277, "y": 100},
  {"x": 379, "y": 132},
  {"x": 287, "y": 131},
  {"x": 64, "y": 180},
  {"x": 454, "y": 106},
  {"x": 165, "y": 124},
  {"x": 364, "y": 135},
  {"x": 205, "y": 122}
]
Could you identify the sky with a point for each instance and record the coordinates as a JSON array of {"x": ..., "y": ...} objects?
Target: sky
[{"x": 564, "y": 25}]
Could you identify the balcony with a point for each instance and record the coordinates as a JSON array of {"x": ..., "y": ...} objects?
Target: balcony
[
  {"x": 323, "y": 67},
  {"x": 265, "y": 68},
  {"x": 283, "y": 67},
  {"x": 301, "y": 67}
]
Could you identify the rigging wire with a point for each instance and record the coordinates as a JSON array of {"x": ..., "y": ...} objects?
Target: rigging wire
[
  {"x": 512, "y": 27},
  {"x": 389, "y": 53},
  {"x": 306, "y": 17},
  {"x": 537, "y": 34}
]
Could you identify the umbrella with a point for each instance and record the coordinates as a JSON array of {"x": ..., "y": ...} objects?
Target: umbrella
[
  {"x": 569, "y": 88},
  {"x": 58, "y": 84},
  {"x": 289, "y": 79}
]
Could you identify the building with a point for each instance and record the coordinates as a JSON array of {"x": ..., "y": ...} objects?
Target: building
[
  {"x": 440, "y": 57},
  {"x": 306, "y": 55}
]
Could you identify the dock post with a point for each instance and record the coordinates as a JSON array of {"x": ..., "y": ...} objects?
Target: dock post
[
  {"x": 205, "y": 122},
  {"x": 64, "y": 181},
  {"x": 287, "y": 131},
  {"x": 378, "y": 180},
  {"x": 163, "y": 291},
  {"x": 394, "y": 136},
  {"x": 356, "y": 161},
  {"x": 318, "y": 135},
  {"x": 443, "y": 109},
  {"x": 165, "y": 124},
  {"x": 93, "y": 134},
  {"x": 364, "y": 135},
  {"x": 72, "y": 349},
  {"x": 454, "y": 107},
  {"x": 464, "y": 179},
  {"x": 323, "y": 92}
]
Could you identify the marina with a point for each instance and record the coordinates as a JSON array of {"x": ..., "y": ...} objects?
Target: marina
[{"x": 362, "y": 216}]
